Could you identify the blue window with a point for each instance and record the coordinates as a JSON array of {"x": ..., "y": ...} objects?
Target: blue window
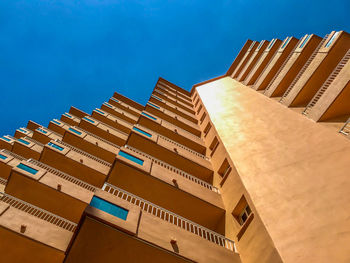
[
  {"x": 67, "y": 115},
  {"x": 99, "y": 111},
  {"x": 332, "y": 38},
  {"x": 107, "y": 104},
  {"x": 142, "y": 131},
  {"x": 157, "y": 98},
  {"x": 3, "y": 157},
  {"x": 55, "y": 146},
  {"x": 27, "y": 168},
  {"x": 56, "y": 122},
  {"x": 285, "y": 42},
  {"x": 149, "y": 116},
  {"x": 271, "y": 43},
  {"x": 23, "y": 141},
  {"x": 153, "y": 105},
  {"x": 305, "y": 40},
  {"x": 131, "y": 157},
  {"x": 109, "y": 208},
  {"x": 22, "y": 130},
  {"x": 41, "y": 130},
  {"x": 6, "y": 139},
  {"x": 260, "y": 44},
  {"x": 87, "y": 119},
  {"x": 114, "y": 99},
  {"x": 75, "y": 131}
]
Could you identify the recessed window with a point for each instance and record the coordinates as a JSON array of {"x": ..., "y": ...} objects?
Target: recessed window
[
  {"x": 27, "y": 168},
  {"x": 142, "y": 131},
  {"x": 41, "y": 130},
  {"x": 199, "y": 109},
  {"x": 56, "y": 122},
  {"x": 196, "y": 103},
  {"x": 23, "y": 141},
  {"x": 149, "y": 116},
  {"x": 286, "y": 41},
  {"x": 251, "y": 45},
  {"x": 131, "y": 157},
  {"x": 153, "y": 105},
  {"x": 242, "y": 213},
  {"x": 74, "y": 130},
  {"x": 214, "y": 145},
  {"x": 114, "y": 99},
  {"x": 224, "y": 171},
  {"x": 207, "y": 129},
  {"x": 304, "y": 41},
  {"x": 332, "y": 39},
  {"x": 68, "y": 115},
  {"x": 271, "y": 43},
  {"x": 203, "y": 117},
  {"x": 3, "y": 157},
  {"x": 89, "y": 120},
  {"x": 260, "y": 44},
  {"x": 99, "y": 111},
  {"x": 53, "y": 145},
  {"x": 22, "y": 130},
  {"x": 109, "y": 208}
]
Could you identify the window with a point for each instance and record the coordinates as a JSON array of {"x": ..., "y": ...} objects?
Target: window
[
  {"x": 203, "y": 117},
  {"x": 74, "y": 130},
  {"x": 251, "y": 46},
  {"x": 214, "y": 145},
  {"x": 286, "y": 41},
  {"x": 56, "y": 122},
  {"x": 89, "y": 120},
  {"x": 41, "y": 130},
  {"x": 99, "y": 111},
  {"x": 207, "y": 129},
  {"x": 149, "y": 116},
  {"x": 271, "y": 43},
  {"x": 23, "y": 141},
  {"x": 260, "y": 44},
  {"x": 3, "y": 157},
  {"x": 114, "y": 99},
  {"x": 242, "y": 213},
  {"x": 22, "y": 130},
  {"x": 6, "y": 139},
  {"x": 67, "y": 115},
  {"x": 109, "y": 208},
  {"x": 153, "y": 105},
  {"x": 131, "y": 157},
  {"x": 199, "y": 109},
  {"x": 27, "y": 168},
  {"x": 108, "y": 105},
  {"x": 55, "y": 146},
  {"x": 142, "y": 131},
  {"x": 157, "y": 98},
  {"x": 304, "y": 41},
  {"x": 196, "y": 103},
  {"x": 224, "y": 171},
  {"x": 332, "y": 38}
]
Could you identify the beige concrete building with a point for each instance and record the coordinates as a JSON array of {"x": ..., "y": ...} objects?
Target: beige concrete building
[{"x": 251, "y": 166}]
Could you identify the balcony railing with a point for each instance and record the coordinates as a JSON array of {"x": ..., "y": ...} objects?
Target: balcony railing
[
  {"x": 175, "y": 170},
  {"x": 346, "y": 128},
  {"x": 171, "y": 217},
  {"x": 64, "y": 176},
  {"x": 84, "y": 153},
  {"x": 3, "y": 181},
  {"x": 13, "y": 155},
  {"x": 38, "y": 212}
]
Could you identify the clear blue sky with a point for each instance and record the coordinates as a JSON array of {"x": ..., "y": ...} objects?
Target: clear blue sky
[{"x": 54, "y": 54}]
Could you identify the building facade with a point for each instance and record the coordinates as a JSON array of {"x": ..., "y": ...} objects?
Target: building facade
[{"x": 251, "y": 166}]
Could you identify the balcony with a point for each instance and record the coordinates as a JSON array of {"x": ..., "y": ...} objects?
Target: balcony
[
  {"x": 163, "y": 96},
  {"x": 173, "y": 132},
  {"x": 6, "y": 142},
  {"x": 103, "y": 130},
  {"x": 31, "y": 234},
  {"x": 45, "y": 135},
  {"x": 27, "y": 147},
  {"x": 58, "y": 126},
  {"x": 124, "y": 106},
  {"x": 70, "y": 119},
  {"x": 8, "y": 160},
  {"x": 171, "y": 152},
  {"x": 157, "y": 234},
  {"x": 171, "y": 107},
  {"x": 112, "y": 120},
  {"x": 23, "y": 132},
  {"x": 91, "y": 143},
  {"x": 173, "y": 118},
  {"x": 168, "y": 187},
  {"x": 128, "y": 101},
  {"x": 173, "y": 96},
  {"x": 49, "y": 189},
  {"x": 75, "y": 162},
  {"x": 119, "y": 113}
]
